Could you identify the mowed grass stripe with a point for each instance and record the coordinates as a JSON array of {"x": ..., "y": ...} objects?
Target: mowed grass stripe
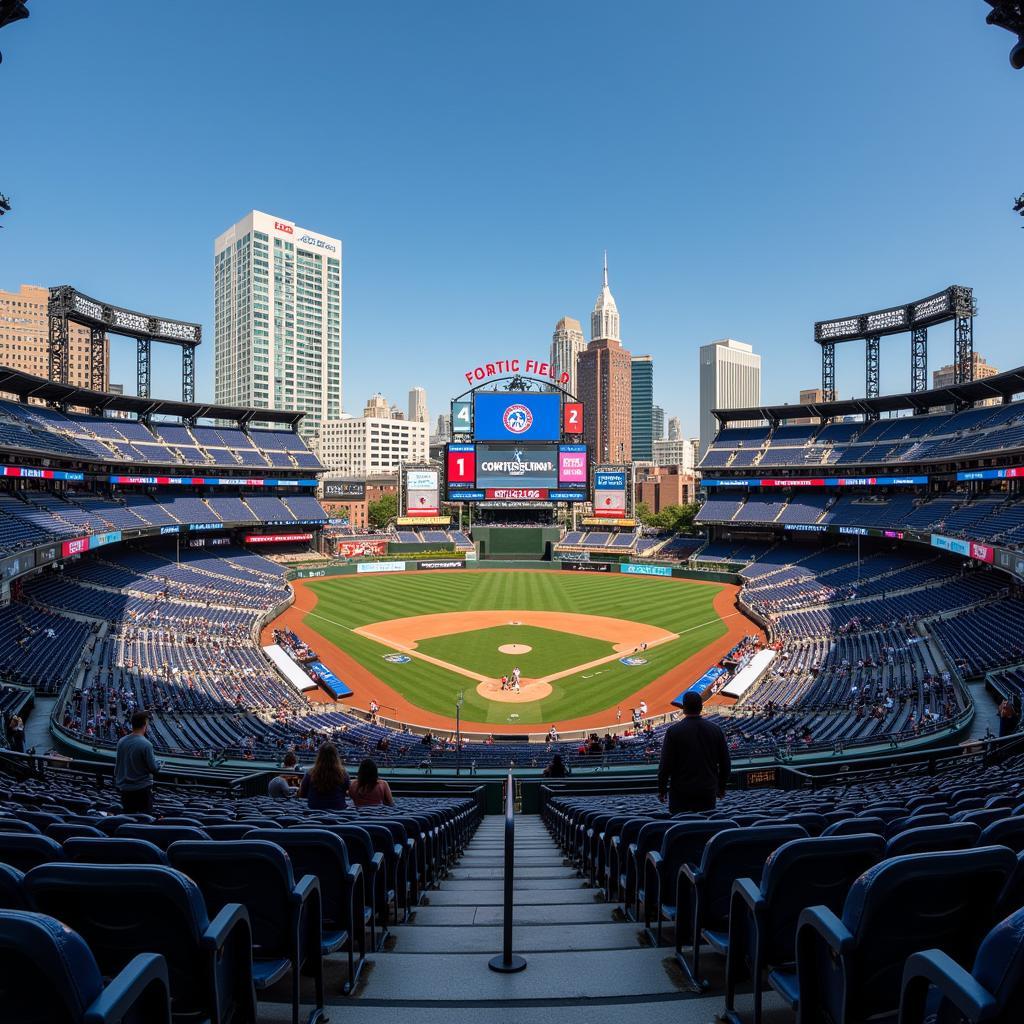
[{"x": 681, "y": 607}]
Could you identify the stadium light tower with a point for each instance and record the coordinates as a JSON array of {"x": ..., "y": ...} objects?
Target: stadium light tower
[
  {"x": 10, "y": 11},
  {"x": 1009, "y": 14}
]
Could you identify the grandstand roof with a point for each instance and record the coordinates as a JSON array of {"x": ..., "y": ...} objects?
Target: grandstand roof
[
  {"x": 27, "y": 385},
  {"x": 1002, "y": 385}
]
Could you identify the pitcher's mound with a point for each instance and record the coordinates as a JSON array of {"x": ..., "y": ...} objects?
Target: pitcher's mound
[
  {"x": 491, "y": 689},
  {"x": 515, "y": 649}
]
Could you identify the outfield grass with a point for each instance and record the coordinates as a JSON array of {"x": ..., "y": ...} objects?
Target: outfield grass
[
  {"x": 345, "y": 602},
  {"x": 553, "y": 651}
]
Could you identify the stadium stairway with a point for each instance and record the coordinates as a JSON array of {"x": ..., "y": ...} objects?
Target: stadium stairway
[{"x": 584, "y": 959}]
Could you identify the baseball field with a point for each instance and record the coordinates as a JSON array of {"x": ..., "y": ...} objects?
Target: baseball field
[{"x": 584, "y": 644}]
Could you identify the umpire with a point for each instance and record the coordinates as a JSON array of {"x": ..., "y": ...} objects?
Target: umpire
[{"x": 694, "y": 761}]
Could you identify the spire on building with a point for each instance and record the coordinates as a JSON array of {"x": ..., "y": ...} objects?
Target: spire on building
[{"x": 604, "y": 321}]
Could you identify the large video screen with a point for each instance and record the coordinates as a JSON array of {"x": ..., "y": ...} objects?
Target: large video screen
[
  {"x": 517, "y": 416},
  {"x": 536, "y": 472},
  {"x": 422, "y": 492}
]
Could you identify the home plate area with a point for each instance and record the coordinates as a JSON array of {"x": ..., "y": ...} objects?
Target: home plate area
[{"x": 486, "y": 645}]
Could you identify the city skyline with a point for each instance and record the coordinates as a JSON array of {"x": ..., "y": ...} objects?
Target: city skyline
[{"x": 698, "y": 254}]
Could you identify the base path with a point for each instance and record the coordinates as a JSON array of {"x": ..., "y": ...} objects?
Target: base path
[{"x": 658, "y": 693}]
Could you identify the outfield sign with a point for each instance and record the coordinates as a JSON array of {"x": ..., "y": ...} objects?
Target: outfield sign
[
  {"x": 587, "y": 566},
  {"x": 447, "y": 563},
  {"x": 380, "y": 567},
  {"x": 632, "y": 569}
]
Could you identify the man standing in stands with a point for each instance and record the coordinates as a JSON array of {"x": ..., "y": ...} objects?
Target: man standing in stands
[
  {"x": 694, "y": 761},
  {"x": 135, "y": 767}
]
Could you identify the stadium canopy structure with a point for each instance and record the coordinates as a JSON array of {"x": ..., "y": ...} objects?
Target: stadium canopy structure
[
  {"x": 1002, "y": 386},
  {"x": 27, "y": 385}
]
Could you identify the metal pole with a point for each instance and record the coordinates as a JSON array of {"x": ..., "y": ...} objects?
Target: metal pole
[
  {"x": 508, "y": 962},
  {"x": 458, "y": 732}
]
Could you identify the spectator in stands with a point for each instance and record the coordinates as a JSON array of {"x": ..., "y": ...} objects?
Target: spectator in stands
[
  {"x": 282, "y": 787},
  {"x": 16, "y": 734},
  {"x": 1008, "y": 717},
  {"x": 557, "y": 768},
  {"x": 135, "y": 766},
  {"x": 369, "y": 789},
  {"x": 694, "y": 761},
  {"x": 324, "y": 786}
]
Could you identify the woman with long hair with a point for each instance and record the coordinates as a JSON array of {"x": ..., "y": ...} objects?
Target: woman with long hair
[
  {"x": 369, "y": 789},
  {"x": 325, "y": 784}
]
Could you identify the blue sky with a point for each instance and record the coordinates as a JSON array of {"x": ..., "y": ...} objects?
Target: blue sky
[{"x": 750, "y": 168}]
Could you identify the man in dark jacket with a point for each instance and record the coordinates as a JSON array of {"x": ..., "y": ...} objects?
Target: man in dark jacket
[{"x": 694, "y": 761}]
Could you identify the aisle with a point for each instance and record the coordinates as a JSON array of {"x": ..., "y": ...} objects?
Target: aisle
[{"x": 582, "y": 958}]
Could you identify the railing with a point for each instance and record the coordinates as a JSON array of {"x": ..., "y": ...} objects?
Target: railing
[{"x": 508, "y": 962}]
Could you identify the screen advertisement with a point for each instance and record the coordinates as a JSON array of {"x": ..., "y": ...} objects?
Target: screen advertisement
[
  {"x": 422, "y": 497},
  {"x": 610, "y": 494},
  {"x": 517, "y": 416},
  {"x": 572, "y": 464},
  {"x": 340, "y": 490},
  {"x": 516, "y": 465}
]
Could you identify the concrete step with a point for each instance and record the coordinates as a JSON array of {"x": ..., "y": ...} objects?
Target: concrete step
[
  {"x": 595, "y": 974},
  {"x": 546, "y": 913},
  {"x": 523, "y": 897},
  {"x": 461, "y": 873},
  {"x": 420, "y": 938},
  {"x": 464, "y": 885},
  {"x": 658, "y": 1010}
]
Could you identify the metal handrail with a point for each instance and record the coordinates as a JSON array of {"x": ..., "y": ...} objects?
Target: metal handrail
[{"x": 508, "y": 962}]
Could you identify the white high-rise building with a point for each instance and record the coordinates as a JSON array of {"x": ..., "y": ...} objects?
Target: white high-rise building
[
  {"x": 360, "y": 446},
  {"x": 730, "y": 378},
  {"x": 604, "y": 320},
  {"x": 566, "y": 345},
  {"x": 277, "y": 319},
  {"x": 418, "y": 405},
  {"x": 674, "y": 453},
  {"x": 675, "y": 430}
]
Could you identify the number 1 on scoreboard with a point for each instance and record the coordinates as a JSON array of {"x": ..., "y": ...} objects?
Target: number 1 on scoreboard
[{"x": 461, "y": 464}]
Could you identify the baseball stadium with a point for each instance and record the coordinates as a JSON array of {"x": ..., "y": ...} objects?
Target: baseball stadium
[{"x": 515, "y": 751}]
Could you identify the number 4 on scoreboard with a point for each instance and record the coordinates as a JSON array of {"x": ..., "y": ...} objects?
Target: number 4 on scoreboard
[
  {"x": 572, "y": 418},
  {"x": 462, "y": 418}
]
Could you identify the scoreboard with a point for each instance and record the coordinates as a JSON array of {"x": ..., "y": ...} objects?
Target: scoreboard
[
  {"x": 519, "y": 446},
  {"x": 491, "y": 471}
]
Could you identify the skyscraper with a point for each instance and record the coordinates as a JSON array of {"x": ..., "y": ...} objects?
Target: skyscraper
[
  {"x": 730, "y": 378},
  {"x": 277, "y": 319},
  {"x": 566, "y": 345},
  {"x": 642, "y": 398},
  {"x": 675, "y": 429},
  {"x": 418, "y": 405},
  {"x": 605, "y": 384},
  {"x": 657, "y": 423}
]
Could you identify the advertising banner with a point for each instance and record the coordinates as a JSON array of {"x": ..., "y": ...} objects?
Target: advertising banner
[
  {"x": 40, "y": 474},
  {"x": 954, "y": 544},
  {"x": 99, "y": 540},
  {"x": 572, "y": 464},
  {"x": 165, "y": 530},
  {"x": 44, "y": 556},
  {"x": 587, "y": 566},
  {"x": 422, "y": 492},
  {"x": 610, "y": 494},
  {"x": 380, "y": 567},
  {"x": 328, "y": 680},
  {"x": 16, "y": 565},
  {"x": 74, "y": 547},
  {"x": 443, "y": 563},
  {"x": 344, "y": 490},
  {"x": 277, "y": 538},
  {"x": 982, "y": 552},
  {"x": 820, "y": 481},
  {"x": 517, "y": 416},
  {"x": 1007, "y": 473},
  {"x": 516, "y": 494},
  {"x": 361, "y": 548},
  {"x": 645, "y": 570}
]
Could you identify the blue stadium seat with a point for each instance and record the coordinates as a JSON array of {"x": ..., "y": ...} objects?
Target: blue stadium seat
[
  {"x": 49, "y": 976},
  {"x": 648, "y": 838},
  {"x": 161, "y": 835},
  {"x": 682, "y": 844},
  {"x": 954, "y": 836},
  {"x": 317, "y": 852},
  {"x": 361, "y": 851},
  {"x": 285, "y": 914},
  {"x": 849, "y": 967},
  {"x": 113, "y": 850},
  {"x": 734, "y": 853},
  {"x": 158, "y": 909},
  {"x": 64, "y": 830},
  {"x": 936, "y": 987},
  {"x": 1005, "y": 832},
  {"x": 12, "y": 892},
  {"x": 856, "y": 827},
  {"x": 388, "y": 878},
  {"x": 17, "y": 825},
  {"x": 24, "y": 851},
  {"x": 762, "y": 919}
]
